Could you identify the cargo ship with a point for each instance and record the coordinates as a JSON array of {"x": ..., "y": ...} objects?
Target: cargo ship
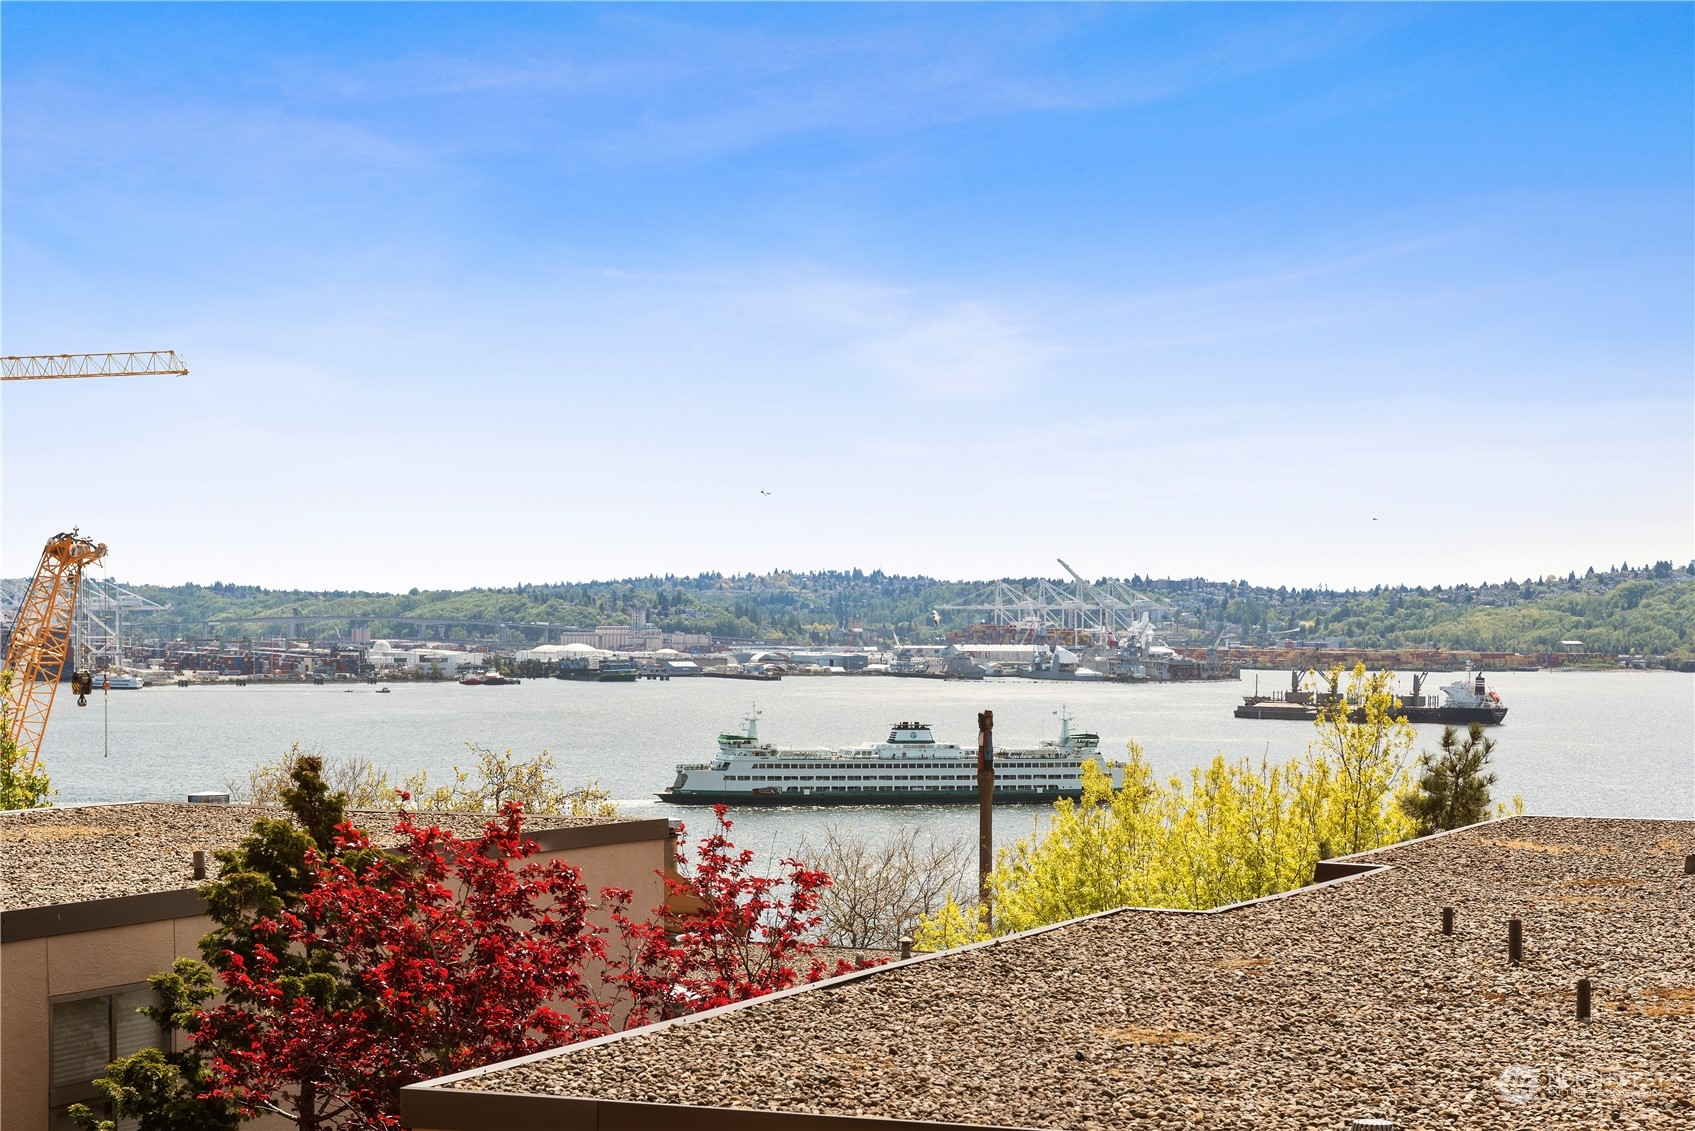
[
  {"x": 909, "y": 768},
  {"x": 1466, "y": 700}
]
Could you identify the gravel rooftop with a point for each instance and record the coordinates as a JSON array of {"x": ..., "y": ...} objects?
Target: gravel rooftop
[
  {"x": 1339, "y": 1002},
  {"x": 65, "y": 855}
]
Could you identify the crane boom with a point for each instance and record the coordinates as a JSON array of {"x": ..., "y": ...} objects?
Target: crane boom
[
  {"x": 41, "y": 639},
  {"x": 137, "y": 363}
]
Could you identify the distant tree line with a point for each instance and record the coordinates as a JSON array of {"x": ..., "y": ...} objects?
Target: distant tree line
[{"x": 1649, "y": 609}]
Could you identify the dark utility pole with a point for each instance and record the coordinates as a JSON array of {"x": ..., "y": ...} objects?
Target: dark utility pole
[{"x": 985, "y": 804}]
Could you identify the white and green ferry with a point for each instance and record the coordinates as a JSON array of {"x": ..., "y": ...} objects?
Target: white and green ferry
[{"x": 911, "y": 768}]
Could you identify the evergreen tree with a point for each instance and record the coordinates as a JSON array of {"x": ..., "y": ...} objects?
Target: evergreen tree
[{"x": 1453, "y": 784}]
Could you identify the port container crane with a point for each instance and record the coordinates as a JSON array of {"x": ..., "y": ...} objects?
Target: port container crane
[{"x": 41, "y": 639}]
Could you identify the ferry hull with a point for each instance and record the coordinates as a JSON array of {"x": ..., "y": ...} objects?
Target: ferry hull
[{"x": 863, "y": 797}]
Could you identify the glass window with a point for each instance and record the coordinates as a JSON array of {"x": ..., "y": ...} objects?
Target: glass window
[
  {"x": 88, "y": 1033},
  {"x": 133, "y": 1030},
  {"x": 82, "y": 1040}
]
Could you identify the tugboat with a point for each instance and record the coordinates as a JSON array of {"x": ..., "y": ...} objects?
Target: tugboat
[{"x": 1466, "y": 700}]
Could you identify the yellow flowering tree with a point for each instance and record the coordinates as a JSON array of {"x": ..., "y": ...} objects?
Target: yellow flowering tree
[
  {"x": 1230, "y": 831},
  {"x": 1361, "y": 748}
]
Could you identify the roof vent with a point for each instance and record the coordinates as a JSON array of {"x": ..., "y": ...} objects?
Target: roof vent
[
  {"x": 1373, "y": 1125},
  {"x": 210, "y": 797}
]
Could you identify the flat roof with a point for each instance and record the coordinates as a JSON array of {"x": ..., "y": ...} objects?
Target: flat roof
[
  {"x": 1339, "y": 1001},
  {"x": 75, "y": 853}
]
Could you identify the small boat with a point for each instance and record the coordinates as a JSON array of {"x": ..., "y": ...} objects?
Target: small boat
[{"x": 382, "y": 691}]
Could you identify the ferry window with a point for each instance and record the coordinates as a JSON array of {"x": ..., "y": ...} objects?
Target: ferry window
[
  {"x": 887, "y": 777},
  {"x": 931, "y": 777},
  {"x": 806, "y": 777},
  {"x": 838, "y": 777}
]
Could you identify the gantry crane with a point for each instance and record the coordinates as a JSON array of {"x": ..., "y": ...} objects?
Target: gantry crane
[
  {"x": 136, "y": 363},
  {"x": 41, "y": 639},
  {"x": 41, "y": 631}
]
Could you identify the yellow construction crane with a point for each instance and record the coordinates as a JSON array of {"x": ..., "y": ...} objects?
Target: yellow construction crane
[
  {"x": 41, "y": 639},
  {"x": 41, "y": 630},
  {"x": 139, "y": 363}
]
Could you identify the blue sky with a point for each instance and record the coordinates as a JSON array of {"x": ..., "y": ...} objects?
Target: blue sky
[{"x": 497, "y": 293}]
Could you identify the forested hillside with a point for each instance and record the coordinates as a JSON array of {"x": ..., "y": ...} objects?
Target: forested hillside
[{"x": 1647, "y": 610}]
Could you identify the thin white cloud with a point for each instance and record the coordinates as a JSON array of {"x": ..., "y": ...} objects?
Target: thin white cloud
[{"x": 962, "y": 350}]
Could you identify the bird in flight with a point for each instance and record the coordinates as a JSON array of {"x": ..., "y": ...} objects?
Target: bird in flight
[{"x": 764, "y": 492}]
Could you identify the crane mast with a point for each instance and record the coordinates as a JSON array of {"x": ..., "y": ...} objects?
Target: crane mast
[{"x": 41, "y": 639}]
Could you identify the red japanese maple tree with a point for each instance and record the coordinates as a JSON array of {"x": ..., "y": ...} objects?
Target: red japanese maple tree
[
  {"x": 339, "y": 972},
  {"x": 442, "y": 955},
  {"x": 740, "y": 936}
]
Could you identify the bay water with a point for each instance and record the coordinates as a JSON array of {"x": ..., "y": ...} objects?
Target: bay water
[{"x": 1593, "y": 743}]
